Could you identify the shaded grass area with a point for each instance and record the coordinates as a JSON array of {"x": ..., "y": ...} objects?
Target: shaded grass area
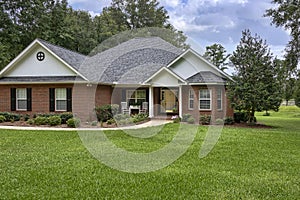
[{"x": 245, "y": 164}]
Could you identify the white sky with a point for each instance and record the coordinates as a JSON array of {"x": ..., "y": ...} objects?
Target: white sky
[{"x": 206, "y": 22}]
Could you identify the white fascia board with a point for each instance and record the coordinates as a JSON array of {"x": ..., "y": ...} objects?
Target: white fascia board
[{"x": 169, "y": 71}]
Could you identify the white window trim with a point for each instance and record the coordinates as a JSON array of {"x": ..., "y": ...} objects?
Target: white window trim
[
  {"x": 210, "y": 100},
  {"x": 221, "y": 98},
  {"x": 60, "y": 99},
  {"x": 17, "y": 99},
  {"x": 191, "y": 91}
]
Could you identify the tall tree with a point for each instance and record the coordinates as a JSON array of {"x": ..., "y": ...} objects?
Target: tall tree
[
  {"x": 255, "y": 86},
  {"x": 131, "y": 15},
  {"x": 287, "y": 14},
  {"x": 216, "y": 54}
]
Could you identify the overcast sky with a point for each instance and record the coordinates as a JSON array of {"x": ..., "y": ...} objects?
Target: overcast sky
[{"x": 206, "y": 22}]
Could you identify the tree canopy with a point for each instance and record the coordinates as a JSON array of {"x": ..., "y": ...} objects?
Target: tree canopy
[
  {"x": 287, "y": 14},
  {"x": 55, "y": 21},
  {"x": 216, "y": 54},
  {"x": 255, "y": 86}
]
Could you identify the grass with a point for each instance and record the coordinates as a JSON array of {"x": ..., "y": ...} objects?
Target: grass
[{"x": 246, "y": 163}]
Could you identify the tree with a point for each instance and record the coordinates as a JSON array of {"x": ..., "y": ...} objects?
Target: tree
[
  {"x": 216, "y": 54},
  {"x": 297, "y": 94},
  {"x": 255, "y": 86},
  {"x": 135, "y": 16},
  {"x": 287, "y": 14}
]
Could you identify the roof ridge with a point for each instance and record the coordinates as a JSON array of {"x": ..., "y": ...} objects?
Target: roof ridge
[{"x": 55, "y": 45}]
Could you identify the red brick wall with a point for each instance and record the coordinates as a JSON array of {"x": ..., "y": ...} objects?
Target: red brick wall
[
  {"x": 214, "y": 112},
  {"x": 40, "y": 97}
]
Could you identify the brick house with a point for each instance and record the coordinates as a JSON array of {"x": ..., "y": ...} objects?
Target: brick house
[{"x": 142, "y": 74}]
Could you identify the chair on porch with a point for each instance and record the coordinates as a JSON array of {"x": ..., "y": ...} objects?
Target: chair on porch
[
  {"x": 124, "y": 108},
  {"x": 144, "y": 109}
]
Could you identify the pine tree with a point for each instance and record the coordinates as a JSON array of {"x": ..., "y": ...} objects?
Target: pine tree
[
  {"x": 255, "y": 86},
  {"x": 216, "y": 54}
]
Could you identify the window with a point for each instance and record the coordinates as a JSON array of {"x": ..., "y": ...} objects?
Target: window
[
  {"x": 219, "y": 99},
  {"x": 134, "y": 97},
  {"x": 21, "y": 99},
  {"x": 191, "y": 99},
  {"x": 205, "y": 99},
  {"x": 60, "y": 99}
]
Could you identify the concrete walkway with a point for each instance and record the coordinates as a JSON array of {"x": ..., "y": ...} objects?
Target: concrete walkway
[{"x": 150, "y": 123}]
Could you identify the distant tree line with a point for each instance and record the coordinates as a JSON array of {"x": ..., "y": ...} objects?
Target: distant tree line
[{"x": 55, "y": 21}]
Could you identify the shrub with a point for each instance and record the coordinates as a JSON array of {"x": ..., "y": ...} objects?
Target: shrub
[
  {"x": 94, "y": 123},
  {"x": 185, "y": 117},
  {"x": 2, "y": 119},
  {"x": 190, "y": 120},
  {"x": 119, "y": 117},
  {"x": 139, "y": 117},
  {"x": 73, "y": 122},
  {"x": 106, "y": 112},
  {"x": 30, "y": 121},
  {"x": 11, "y": 117},
  {"x": 205, "y": 119},
  {"x": 54, "y": 120},
  {"x": 176, "y": 119},
  {"x": 228, "y": 121},
  {"x": 240, "y": 117},
  {"x": 111, "y": 121},
  {"x": 65, "y": 116},
  {"x": 26, "y": 117},
  {"x": 219, "y": 121},
  {"x": 40, "y": 120}
]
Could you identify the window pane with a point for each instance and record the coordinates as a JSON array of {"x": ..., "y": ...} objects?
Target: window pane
[
  {"x": 205, "y": 104},
  {"x": 61, "y": 93},
  {"x": 21, "y": 93},
  {"x": 61, "y": 105},
  {"x": 22, "y": 105},
  {"x": 191, "y": 106},
  {"x": 141, "y": 94},
  {"x": 205, "y": 94}
]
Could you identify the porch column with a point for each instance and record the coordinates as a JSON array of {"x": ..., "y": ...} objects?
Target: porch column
[
  {"x": 180, "y": 100},
  {"x": 151, "y": 102}
]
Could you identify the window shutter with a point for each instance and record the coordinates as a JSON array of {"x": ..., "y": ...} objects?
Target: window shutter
[
  {"x": 51, "y": 99},
  {"x": 69, "y": 99},
  {"x": 13, "y": 99},
  {"x": 29, "y": 100}
]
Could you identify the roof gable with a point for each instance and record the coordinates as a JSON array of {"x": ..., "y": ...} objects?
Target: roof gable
[
  {"x": 27, "y": 63},
  {"x": 191, "y": 63}
]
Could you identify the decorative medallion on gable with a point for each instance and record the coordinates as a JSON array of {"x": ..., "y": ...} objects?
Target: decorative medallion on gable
[{"x": 40, "y": 56}]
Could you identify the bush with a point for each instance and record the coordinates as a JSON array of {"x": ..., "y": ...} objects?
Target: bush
[
  {"x": 73, "y": 122},
  {"x": 119, "y": 117},
  {"x": 228, "y": 121},
  {"x": 2, "y": 119},
  {"x": 111, "y": 121},
  {"x": 185, "y": 117},
  {"x": 176, "y": 119},
  {"x": 240, "y": 117},
  {"x": 30, "y": 121},
  {"x": 190, "y": 120},
  {"x": 54, "y": 120},
  {"x": 40, "y": 120},
  {"x": 11, "y": 117},
  {"x": 94, "y": 123},
  {"x": 219, "y": 121},
  {"x": 205, "y": 119},
  {"x": 106, "y": 112},
  {"x": 26, "y": 117},
  {"x": 65, "y": 116},
  {"x": 139, "y": 117}
]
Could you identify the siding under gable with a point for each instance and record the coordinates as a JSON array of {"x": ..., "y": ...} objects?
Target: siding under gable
[{"x": 29, "y": 65}]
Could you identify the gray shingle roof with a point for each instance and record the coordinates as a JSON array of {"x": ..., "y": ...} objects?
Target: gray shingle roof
[
  {"x": 206, "y": 77},
  {"x": 133, "y": 61},
  {"x": 74, "y": 59}
]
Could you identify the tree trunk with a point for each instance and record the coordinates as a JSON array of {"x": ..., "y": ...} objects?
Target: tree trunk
[{"x": 286, "y": 102}]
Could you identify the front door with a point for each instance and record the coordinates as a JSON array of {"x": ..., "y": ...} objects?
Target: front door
[{"x": 169, "y": 100}]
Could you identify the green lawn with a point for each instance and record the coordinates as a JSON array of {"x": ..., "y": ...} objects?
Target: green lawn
[{"x": 246, "y": 163}]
